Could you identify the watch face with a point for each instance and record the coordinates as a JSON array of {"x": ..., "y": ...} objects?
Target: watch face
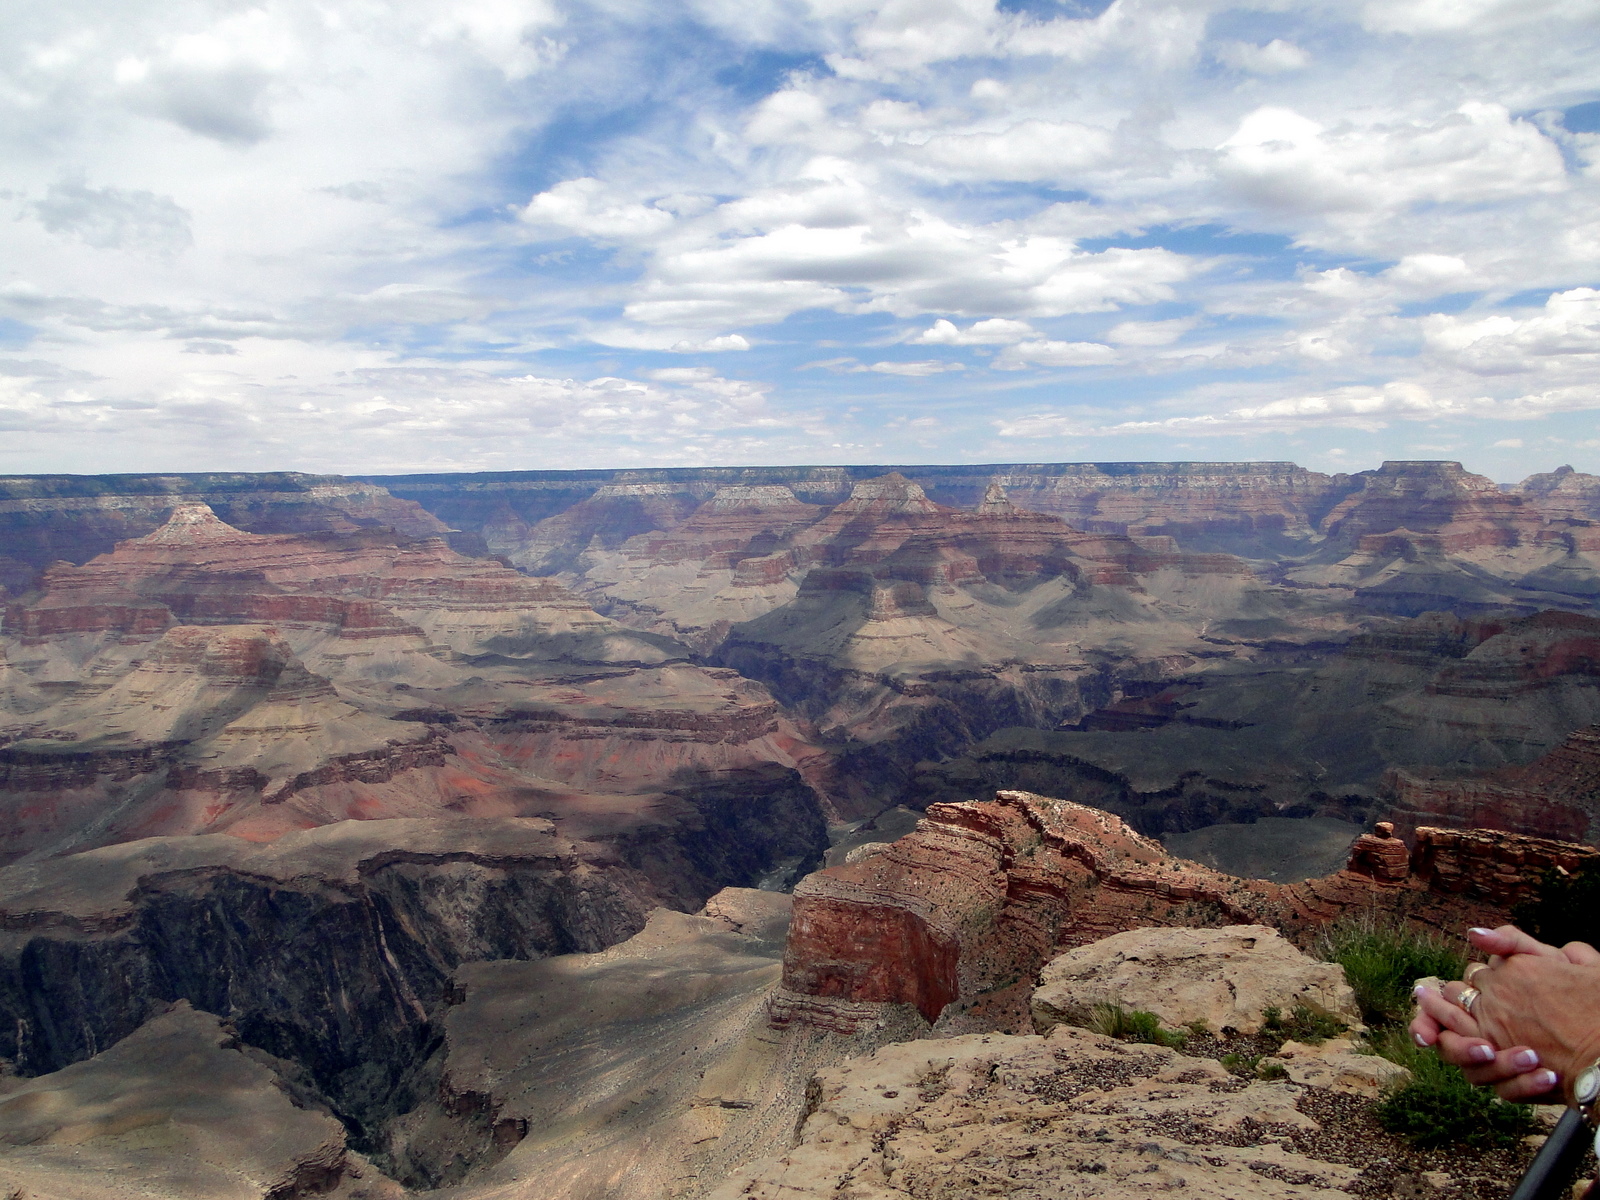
[{"x": 1587, "y": 1087}]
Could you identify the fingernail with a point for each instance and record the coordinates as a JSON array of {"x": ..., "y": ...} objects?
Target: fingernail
[
  {"x": 1546, "y": 1080},
  {"x": 1420, "y": 1040},
  {"x": 1522, "y": 1060},
  {"x": 1419, "y": 989},
  {"x": 1486, "y": 1054},
  {"x": 1479, "y": 930}
]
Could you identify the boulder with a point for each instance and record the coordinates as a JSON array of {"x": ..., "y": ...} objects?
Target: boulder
[
  {"x": 1337, "y": 1064},
  {"x": 1072, "y": 1114},
  {"x": 1225, "y": 978}
]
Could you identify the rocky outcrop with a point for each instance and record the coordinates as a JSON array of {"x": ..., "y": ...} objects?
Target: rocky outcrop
[
  {"x": 331, "y": 949},
  {"x": 46, "y": 518},
  {"x": 204, "y": 679},
  {"x": 1224, "y": 979},
  {"x": 1231, "y": 504},
  {"x": 988, "y": 1114},
  {"x": 1557, "y": 794},
  {"x": 958, "y": 917},
  {"x": 180, "y": 1106}
]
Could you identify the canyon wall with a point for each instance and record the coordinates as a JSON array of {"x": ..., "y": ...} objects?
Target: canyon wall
[{"x": 958, "y": 917}]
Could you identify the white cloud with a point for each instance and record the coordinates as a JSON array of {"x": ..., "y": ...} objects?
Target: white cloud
[
  {"x": 996, "y": 331},
  {"x": 1150, "y": 333},
  {"x": 916, "y": 370},
  {"x": 115, "y": 218},
  {"x": 1273, "y": 58},
  {"x": 1279, "y": 158},
  {"x": 1044, "y": 353},
  {"x": 580, "y": 206}
]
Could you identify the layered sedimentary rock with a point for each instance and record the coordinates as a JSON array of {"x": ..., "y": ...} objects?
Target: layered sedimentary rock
[
  {"x": 1419, "y": 536},
  {"x": 1228, "y": 503},
  {"x": 330, "y": 949},
  {"x": 1253, "y": 735},
  {"x": 994, "y": 1114},
  {"x": 46, "y": 518},
  {"x": 958, "y": 917},
  {"x": 203, "y": 679},
  {"x": 1556, "y": 795},
  {"x": 179, "y": 1109}
]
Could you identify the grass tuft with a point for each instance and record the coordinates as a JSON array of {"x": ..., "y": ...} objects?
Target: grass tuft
[
  {"x": 1382, "y": 960},
  {"x": 1439, "y": 1107},
  {"x": 1135, "y": 1026}
]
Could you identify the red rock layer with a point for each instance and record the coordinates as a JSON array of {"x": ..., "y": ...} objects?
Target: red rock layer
[
  {"x": 1435, "y": 506},
  {"x": 957, "y": 917},
  {"x": 1557, "y": 794}
]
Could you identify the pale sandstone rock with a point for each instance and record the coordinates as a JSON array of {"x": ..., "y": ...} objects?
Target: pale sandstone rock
[
  {"x": 1225, "y": 978},
  {"x": 987, "y": 1114},
  {"x": 1337, "y": 1064}
]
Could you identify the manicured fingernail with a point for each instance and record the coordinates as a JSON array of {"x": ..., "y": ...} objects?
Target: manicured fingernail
[
  {"x": 1522, "y": 1060},
  {"x": 1486, "y": 1054},
  {"x": 1419, "y": 989},
  {"x": 1546, "y": 1080},
  {"x": 1479, "y": 930},
  {"x": 1420, "y": 1040}
]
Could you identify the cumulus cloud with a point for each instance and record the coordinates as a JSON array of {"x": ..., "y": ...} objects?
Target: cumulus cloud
[
  {"x": 222, "y": 208},
  {"x": 1046, "y": 353},
  {"x": 1273, "y": 58},
  {"x": 114, "y": 218},
  {"x": 1279, "y": 158}
]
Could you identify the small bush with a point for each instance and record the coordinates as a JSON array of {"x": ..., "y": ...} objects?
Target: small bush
[
  {"x": 1136, "y": 1026},
  {"x": 1566, "y": 909},
  {"x": 1383, "y": 960},
  {"x": 1272, "y": 1071},
  {"x": 1439, "y": 1107},
  {"x": 1302, "y": 1025}
]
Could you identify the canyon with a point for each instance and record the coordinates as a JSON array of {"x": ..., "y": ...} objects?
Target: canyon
[{"x": 478, "y": 827}]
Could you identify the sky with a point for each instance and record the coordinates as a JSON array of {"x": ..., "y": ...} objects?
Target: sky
[{"x": 371, "y": 236}]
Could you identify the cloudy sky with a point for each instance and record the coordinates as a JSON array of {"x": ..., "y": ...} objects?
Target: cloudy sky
[{"x": 392, "y": 235}]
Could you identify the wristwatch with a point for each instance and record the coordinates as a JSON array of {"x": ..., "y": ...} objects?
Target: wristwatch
[{"x": 1586, "y": 1090}]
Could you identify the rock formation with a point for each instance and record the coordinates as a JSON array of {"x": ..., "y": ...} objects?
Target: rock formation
[
  {"x": 203, "y": 679},
  {"x": 994, "y": 1114},
  {"x": 1225, "y": 979},
  {"x": 72, "y": 518},
  {"x": 958, "y": 917},
  {"x": 179, "y": 1109}
]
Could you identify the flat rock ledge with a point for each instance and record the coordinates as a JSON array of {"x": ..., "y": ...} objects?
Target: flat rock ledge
[
  {"x": 1043, "y": 1117},
  {"x": 1223, "y": 978}
]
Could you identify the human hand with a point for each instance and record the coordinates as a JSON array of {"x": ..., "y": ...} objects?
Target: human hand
[
  {"x": 1545, "y": 1002},
  {"x": 1516, "y": 1072}
]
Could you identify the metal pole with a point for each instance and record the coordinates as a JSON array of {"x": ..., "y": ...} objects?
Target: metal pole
[{"x": 1552, "y": 1168}]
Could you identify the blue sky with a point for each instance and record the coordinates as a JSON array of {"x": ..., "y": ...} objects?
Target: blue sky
[{"x": 359, "y": 236}]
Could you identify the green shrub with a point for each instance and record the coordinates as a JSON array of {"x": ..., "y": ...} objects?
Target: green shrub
[
  {"x": 1302, "y": 1025},
  {"x": 1439, "y": 1107},
  {"x": 1566, "y": 909},
  {"x": 1382, "y": 960},
  {"x": 1136, "y": 1026}
]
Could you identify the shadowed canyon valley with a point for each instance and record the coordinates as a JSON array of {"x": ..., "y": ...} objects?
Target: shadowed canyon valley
[{"x": 599, "y": 834}]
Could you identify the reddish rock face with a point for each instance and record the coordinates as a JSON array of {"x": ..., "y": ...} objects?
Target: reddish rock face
[
  {"x": 203, "y": 679},
  {"x": 957, "y": 917},
  {"x": 47, "y": 518},
  {"x": 1436, "y": 505},
  {"x": 1556, "y": 795}
]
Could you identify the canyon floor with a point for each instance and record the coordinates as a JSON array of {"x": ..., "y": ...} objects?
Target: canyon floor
[{"x": 436, "y": 835}]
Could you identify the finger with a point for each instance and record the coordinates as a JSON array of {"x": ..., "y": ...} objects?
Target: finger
[
  {"x": 1508, "y": 940},
  {"x": 1536, "y": 1087},
  {"x": 1452, "y": 1016},
  {"x": 1424, "y": 1029},
  {"x": 1581, "y": 954},
  {"x": 1475, "y": 1057}
]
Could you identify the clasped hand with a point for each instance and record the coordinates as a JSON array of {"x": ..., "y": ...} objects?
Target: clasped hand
[{"x": 1534, "y": 1024}]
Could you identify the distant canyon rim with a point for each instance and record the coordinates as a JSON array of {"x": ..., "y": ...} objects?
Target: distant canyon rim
[{"x": 335, "y": 773}]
